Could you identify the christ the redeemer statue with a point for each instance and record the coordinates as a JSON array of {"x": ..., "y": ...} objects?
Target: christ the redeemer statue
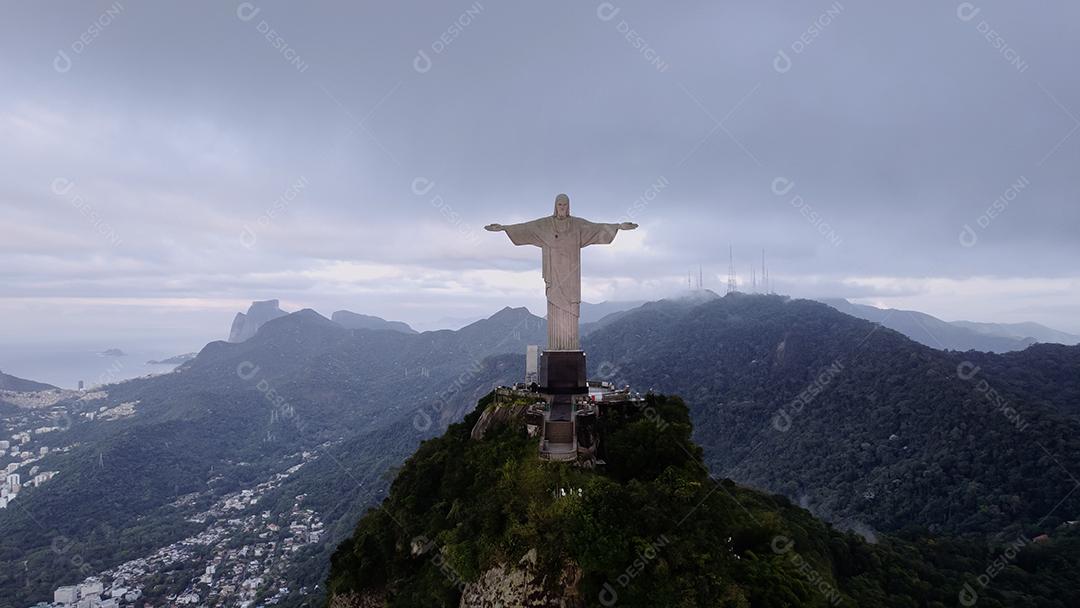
[{"x": 561, "y": 237}]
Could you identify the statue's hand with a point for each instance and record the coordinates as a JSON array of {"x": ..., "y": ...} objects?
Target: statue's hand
[
  {"x": 627, "y": 226},
  {"x": 494, "y": 227}
]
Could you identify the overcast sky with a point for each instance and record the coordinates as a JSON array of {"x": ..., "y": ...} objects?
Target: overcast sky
[{"x": 166, "y": 165}]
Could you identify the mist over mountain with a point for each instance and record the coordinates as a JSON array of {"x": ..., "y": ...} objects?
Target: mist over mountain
[
  {"x": 956, "y": 335},
  {"x": 594, "y": 312},
  {"x": 1039, "y": 332}
]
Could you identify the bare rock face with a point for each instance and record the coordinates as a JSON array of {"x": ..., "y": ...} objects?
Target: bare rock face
[
  {"x": 358, "y": 600},
  {"x": 525, "y": 586},
  {"x": 495, "y": 416},
  {"x": 245, "y": 326}
]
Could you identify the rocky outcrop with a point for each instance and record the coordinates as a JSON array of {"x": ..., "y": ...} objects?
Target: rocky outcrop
[
  {"x": 526, "y": 586},
  {"x": 530, "y": 415},
  {"x": 352, "y": 320},
  {"x": 520, "y": 586},
  {"x": 244, "y": 326},
  {"x": 358, "y": 600}
]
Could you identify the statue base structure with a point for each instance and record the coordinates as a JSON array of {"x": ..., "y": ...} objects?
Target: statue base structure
[
  {"x": 562, "y": 381},
  {"x": 562, "y": 373},
  {"x": 558, "y": 405}
]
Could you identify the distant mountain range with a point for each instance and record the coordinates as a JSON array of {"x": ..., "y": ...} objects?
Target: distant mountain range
[
  {"x": 354, "y": 320},
  {"x": 956, "y": 335},
  {"x": 1021, "y": 331},
  {"x": 879, "y": 432},
  {"x": 921, "y": 327},
  {"x": 246, "y": 325},
  {"x": 139, "y": 458},
  {"x": 594, "y": 312}
]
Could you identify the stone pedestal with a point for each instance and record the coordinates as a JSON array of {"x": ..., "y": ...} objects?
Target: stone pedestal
[{"x": 562, "y": 372}]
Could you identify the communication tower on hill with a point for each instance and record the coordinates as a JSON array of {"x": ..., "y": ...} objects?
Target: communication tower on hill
[{"x": 731, "y": 283}]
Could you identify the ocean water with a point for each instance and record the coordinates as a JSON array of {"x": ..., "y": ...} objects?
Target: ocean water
[{"x": 64, "y": 365}]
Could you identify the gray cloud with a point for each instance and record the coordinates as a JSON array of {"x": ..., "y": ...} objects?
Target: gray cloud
[{"x": 182, "y": 129}]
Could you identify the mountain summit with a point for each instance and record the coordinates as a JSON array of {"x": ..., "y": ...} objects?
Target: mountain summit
[
  {"x": 484, "y": 522},
  {"x": 246, "y": 325}
]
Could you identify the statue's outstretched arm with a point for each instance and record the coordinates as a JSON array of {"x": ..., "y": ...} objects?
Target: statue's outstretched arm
[
  {"x": 593, "y": 233},
  {"x": 525, "y": 233}
]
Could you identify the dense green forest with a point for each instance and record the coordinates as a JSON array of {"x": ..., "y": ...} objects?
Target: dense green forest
[
  {"x": 856, "y": 422},
  {"x": 652, "y": 528}
]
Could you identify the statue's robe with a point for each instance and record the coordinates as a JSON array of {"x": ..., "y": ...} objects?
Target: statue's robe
[{"x": 561, "y": 240}]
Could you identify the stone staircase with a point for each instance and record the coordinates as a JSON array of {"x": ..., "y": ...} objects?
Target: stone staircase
[
  {"x": 559, "y": 441},
  {"x": 559, "y": 431}
]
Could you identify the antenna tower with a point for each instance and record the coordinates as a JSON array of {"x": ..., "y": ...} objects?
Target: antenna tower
[{"x": 731, "y": 270}]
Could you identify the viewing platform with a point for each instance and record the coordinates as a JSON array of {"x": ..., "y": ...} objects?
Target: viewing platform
[{"x": 566, "y": 424}]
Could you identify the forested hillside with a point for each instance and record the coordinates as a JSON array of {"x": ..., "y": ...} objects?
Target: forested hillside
[
  {"x": 855, "y": 421},
  {"x": 357, "y": 402},
  {"x": 649, "y": 529}
]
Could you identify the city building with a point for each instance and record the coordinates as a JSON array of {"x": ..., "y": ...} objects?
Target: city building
[{"x": 532, "y": 363}]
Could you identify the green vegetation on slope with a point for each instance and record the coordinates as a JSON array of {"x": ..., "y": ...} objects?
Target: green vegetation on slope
[
  {"x": 653, "y": 529},
  {"x": 856, "y": 420}
]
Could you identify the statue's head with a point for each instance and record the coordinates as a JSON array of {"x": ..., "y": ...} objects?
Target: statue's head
[{"x": 562, "y": 206}]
